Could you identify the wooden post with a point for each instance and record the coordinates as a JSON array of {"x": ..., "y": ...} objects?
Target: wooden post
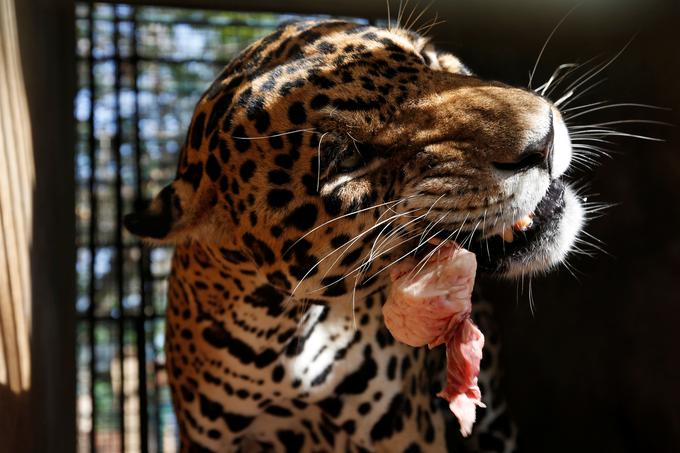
[
  {"x": 16, "y": 208},
  {"x": 37, "y": 256}
]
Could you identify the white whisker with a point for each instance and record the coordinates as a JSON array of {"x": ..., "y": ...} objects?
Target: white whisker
[
  {"x": 563, "y": 98},
  {"x": 542, "y": 89},
  {"x": 318, "y": 162},
  {"x": 311, "y": 269},
  {"x": 598, "y": 106},
  {"x": 275, "y": 135},
  {"x": 611, "y": 123},
  {"x": 393, "y": 202},
  {"x": 540, "y": 54}
]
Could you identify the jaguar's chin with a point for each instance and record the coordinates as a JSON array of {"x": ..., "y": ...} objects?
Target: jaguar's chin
[
  {"x": 537, "y": 243},
  {"x": 534, "y": 244}
]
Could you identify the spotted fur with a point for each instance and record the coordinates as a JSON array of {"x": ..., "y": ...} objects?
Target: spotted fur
[{"x": 296, "y": 155}]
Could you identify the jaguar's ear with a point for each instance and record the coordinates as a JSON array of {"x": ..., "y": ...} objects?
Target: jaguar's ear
[{"x": 170, "y": 216}]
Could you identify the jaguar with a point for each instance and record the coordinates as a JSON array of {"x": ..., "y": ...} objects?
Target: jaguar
[{"x": 323, "y": 154}]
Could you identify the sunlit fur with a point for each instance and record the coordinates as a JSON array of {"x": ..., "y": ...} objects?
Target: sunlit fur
[{"x": 322, "y": 155}]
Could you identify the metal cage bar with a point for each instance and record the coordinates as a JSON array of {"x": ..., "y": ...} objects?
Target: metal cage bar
[
  {"x": 92, "y": 235},
  {"x": 120, "y": 289}
]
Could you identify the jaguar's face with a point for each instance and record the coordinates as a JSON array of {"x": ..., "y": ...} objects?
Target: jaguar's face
[
  {"x": 332, "y": 145},
  {"x": 482, "y": 164}
]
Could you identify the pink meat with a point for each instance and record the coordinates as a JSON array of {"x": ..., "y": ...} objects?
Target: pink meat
[{"x": 431, "y": 305}]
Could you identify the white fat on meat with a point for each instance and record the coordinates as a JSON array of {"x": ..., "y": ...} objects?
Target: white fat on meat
[{"x": 430, "y": 304}]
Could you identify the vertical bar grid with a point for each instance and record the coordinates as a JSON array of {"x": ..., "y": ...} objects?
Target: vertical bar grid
[
  {"x": 120, "y": 290},
  {"x": 140, "y": 324},
  {"x": 140, "y": 66},
  {"x": 92, "y": 234}
]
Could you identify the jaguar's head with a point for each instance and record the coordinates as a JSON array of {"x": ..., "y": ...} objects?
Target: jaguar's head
[{"x": 332, "y": 149}]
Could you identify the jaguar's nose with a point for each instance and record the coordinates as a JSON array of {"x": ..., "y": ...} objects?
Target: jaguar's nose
[{"x": 536, "y": 154}]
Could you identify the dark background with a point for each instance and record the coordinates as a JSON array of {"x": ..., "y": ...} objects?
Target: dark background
[{"x": 596, "y": 367}]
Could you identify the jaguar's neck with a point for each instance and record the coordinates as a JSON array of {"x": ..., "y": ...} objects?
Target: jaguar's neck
[
  {"x": 245, "y": 321},
  {"x": 261, "y": 307}
]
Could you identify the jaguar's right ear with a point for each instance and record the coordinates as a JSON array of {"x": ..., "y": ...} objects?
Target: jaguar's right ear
[{"x": 167, "y": 219}]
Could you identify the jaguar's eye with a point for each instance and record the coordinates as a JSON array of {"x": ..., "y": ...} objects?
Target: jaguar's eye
[{"x": 351, "y": 162}]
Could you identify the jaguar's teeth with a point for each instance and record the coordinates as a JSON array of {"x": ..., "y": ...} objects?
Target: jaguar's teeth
[
  {"x": 507, "y": 235},
  {"x": 524, "y": 223}
]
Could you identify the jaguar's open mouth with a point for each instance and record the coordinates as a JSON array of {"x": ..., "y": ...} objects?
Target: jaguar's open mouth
[{"x": 535, "y": 243}]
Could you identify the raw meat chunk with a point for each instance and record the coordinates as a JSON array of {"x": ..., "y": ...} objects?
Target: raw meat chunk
[{"x": 431, "y": 304}]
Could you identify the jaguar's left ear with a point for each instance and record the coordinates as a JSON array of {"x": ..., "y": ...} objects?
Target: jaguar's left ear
[{"x": 172, "y": 215}]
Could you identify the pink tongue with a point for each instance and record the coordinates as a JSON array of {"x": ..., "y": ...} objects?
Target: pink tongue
[{"x": 431, "y": 305}]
